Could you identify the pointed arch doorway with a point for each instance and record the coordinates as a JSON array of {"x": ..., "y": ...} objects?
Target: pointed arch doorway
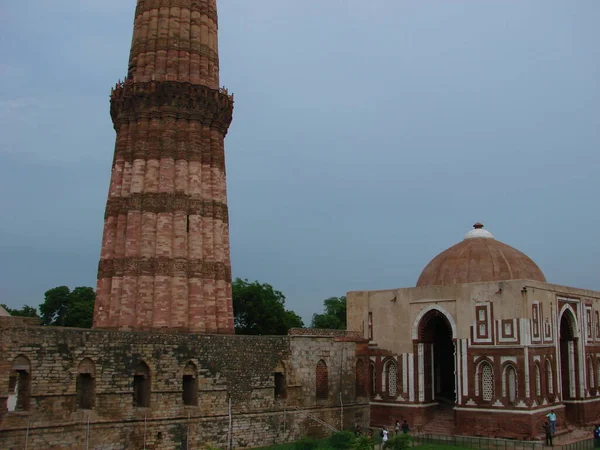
[
  {"x": 568, "y": 354},
  {"x": 435, "y": 358}
]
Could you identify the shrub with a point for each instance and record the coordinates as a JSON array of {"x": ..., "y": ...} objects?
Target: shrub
[
  {"x": 400, "y": 442},
  {"x": 362, "y": 443},
  {"x": 306, "y": 444},
  {"x": 340, "y": 440}
]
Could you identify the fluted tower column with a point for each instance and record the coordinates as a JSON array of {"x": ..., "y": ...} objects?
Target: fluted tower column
[{"x": 165, "y": 261}]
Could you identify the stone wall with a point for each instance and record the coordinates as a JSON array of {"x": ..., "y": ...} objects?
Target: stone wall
[{"x": 231, "y": 370}]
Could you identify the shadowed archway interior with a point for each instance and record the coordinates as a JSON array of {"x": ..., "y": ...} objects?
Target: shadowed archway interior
[
  {"x": 568, "y": 355},
  {"x": 435, "y": 332}
]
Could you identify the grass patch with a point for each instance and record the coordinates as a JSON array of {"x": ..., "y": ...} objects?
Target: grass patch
[
  {"x": 439, "y": 446},
  {"x": 324, "y": 445}
]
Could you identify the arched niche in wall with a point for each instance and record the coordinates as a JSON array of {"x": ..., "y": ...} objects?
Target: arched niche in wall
[
  {"x": 322, "y": 381},
  {"x": 361, "y": 378},
  {"x": 19, "y": 384},
  {"x": 280, "y": 381},
  {"x": 141, "y": 385},
  {"x": 189, "y": 383},
  {"x": 86, "y": 384}
]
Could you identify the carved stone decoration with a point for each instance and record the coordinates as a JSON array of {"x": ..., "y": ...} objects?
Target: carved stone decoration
[
  {"x": 163, "y": 267},
  {"x": 132, "y": 102},
  {"x": 166, "y": 203}
]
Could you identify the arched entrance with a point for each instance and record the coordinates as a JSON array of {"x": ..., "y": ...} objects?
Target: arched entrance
[
  {"x": 435, "y": 350},
  {"x": 568, "y": 354}
]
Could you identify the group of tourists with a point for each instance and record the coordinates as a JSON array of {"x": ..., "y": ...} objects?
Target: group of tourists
[
  {"x": 384, "y": 433},
  {"x": 550, "y": 430}
]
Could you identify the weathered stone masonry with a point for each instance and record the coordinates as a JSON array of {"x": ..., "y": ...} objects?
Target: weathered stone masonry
[{"x": 225, "y": 368}]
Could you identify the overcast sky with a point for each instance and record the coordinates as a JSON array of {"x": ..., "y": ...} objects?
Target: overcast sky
[{"x": 367, "y": 137}]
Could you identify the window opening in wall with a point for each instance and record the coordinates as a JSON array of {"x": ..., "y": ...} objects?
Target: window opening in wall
[
  {"x": 280, "y": 385},
  {"x": 591, "y": 383},
  {"x": 392, "y": 379},
  {"x": 85, "y": 391},
  {"x": 189, "y": 390},
  {"x": 280, "y": 381},
  {"x": 19, "y": 385},
  {"x": 141, "y": 386},
  {"x": 370, "y": 326},
  {"x": 85, "y": 384},
  {"x": 322, "y": 381},
  {"x": 187, "y": 224},
  {"x": 598, "y": 372},
  {"x": 487, "y": 382},
  {"x": 190, "y": 385}
]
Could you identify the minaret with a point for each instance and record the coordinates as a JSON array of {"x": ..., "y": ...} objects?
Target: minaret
[{"x": 165, "y": 263}]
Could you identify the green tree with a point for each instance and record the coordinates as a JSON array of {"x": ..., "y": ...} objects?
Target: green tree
[
  {"x": 25, "y": 311},
  {"x": 66, "y": 308},
  {"x": 334, "y": 317},
  {"x": 260, "y": 310},
  {"x": 80, "y": 312}
]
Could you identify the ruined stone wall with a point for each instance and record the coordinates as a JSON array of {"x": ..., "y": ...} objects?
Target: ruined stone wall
[{"x": 236, "y": 368}]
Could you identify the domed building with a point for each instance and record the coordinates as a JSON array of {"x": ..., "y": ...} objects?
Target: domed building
[{"x": 483, "y": 345}]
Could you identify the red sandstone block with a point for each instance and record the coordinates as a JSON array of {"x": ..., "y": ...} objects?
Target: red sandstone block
[{"x": 148, "y": 244}]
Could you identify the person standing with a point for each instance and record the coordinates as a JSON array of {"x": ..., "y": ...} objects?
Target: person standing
[
  {"x": 548, "y": 431},
  {"x": 384, "y": 436},
  {"x": 405, "y": 428},
  {"x": 552, "y": 420},
  {"x": 397, "y": 428},
  {"x": 597, "y": 436}
]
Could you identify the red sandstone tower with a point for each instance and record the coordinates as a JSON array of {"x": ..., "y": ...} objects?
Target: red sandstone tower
[{"x": 165, "y": 261}]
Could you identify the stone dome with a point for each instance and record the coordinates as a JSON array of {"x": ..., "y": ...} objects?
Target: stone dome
[{"x": 479, "y": 257}]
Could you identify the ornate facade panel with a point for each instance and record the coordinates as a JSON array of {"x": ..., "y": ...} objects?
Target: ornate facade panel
[
  {"x": 482, "y": 332},
  {"x": 536, "y": 320},
  {"x": 507, "y": 331}
]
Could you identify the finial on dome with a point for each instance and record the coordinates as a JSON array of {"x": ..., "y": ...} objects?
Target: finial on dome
[{"x": 479, "y": 232}]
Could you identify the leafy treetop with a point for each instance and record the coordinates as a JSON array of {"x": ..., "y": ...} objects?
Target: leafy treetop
[
  {"x": 334, "y": 317},
  {"x": 260, "y": 310}
]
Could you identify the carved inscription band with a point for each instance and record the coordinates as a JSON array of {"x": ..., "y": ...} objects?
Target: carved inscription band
[
  {"x": 162, "y": 44},
  {"x": 210, "y": 159},
  {"x": 131, "y": 101},
  {"x": 166, "y": 202},
  {"x": 191, "y": 268},
  {"x": 205, "y": 8}
]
